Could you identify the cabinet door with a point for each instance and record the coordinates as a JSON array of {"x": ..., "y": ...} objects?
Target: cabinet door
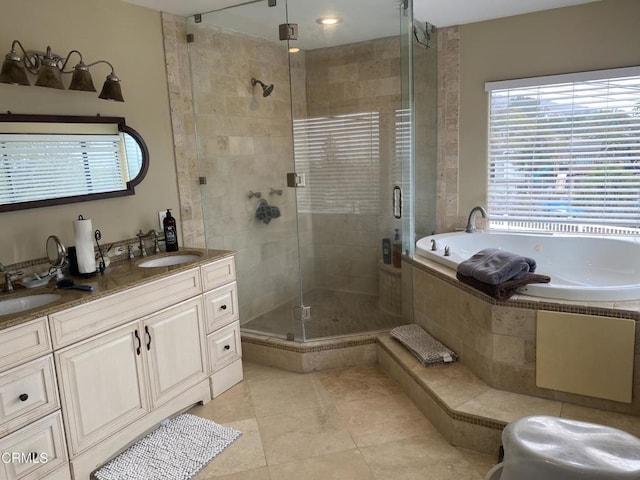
[
  {"x": 102, "y": 385},
  {"x": 175, "y": 342}
]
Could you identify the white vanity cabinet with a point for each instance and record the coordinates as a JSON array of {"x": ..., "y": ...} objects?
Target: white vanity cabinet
[
  {"x": 32, "y": 441},
  {"x": 111, "y": 380},
  {"x": 83, "y": 383}
]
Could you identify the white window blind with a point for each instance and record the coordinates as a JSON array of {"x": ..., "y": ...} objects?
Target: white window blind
[
  {"x": 340, "y": 156},
  {"x": 564, "y": 154},
  {"x": 47, "y": 166}
]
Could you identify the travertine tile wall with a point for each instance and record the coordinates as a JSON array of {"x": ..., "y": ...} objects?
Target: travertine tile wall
[
  {"x": 353, "y": 78},
  {"x": 183, "y": 127},
  {"x": 426, "y": 124},
  {"x": 448, "y": 216}
]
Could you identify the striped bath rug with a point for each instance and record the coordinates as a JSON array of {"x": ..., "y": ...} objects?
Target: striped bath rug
[{"x": 176, "y": 450}]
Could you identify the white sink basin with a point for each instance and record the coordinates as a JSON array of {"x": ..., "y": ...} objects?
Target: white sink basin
[
  {"x": 22, "y": 304},
  {"x": 169, "y": 260}
]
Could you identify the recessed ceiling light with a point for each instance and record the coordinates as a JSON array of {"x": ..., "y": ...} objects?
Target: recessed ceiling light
[
  {"x": 329, "y": 20},
  {"x": 294, "y": 50}
]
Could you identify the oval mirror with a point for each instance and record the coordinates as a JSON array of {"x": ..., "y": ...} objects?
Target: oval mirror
[
  {"x": 56, "y": 252},
  {"x": 52, "y": 160}
]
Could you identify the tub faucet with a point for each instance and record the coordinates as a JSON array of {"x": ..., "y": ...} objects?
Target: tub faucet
[{"x": 471, "y": 222}]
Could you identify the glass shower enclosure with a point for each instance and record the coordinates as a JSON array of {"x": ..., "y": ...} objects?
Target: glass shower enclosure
[{"x": 304, "y": 136}]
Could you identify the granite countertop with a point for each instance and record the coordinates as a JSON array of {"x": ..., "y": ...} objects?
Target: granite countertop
[{"x": 118, "y": 277}]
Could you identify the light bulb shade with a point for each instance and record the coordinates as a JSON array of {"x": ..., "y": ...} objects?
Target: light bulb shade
[
  {"x": 111, "y": 89},
  {"x": 81, "y": 79},
  {"x": 50, "y": 77},
  {"x": 13, "y": 71}
]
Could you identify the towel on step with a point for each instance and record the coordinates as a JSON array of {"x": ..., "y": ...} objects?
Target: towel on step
[
  {"x": 424, "y": 347},
  {"x": 503, "y": 290},
  {"x": 495, "y": 266}
]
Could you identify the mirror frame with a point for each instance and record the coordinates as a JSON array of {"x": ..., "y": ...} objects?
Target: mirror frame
[{"x": 122, "y": 127}]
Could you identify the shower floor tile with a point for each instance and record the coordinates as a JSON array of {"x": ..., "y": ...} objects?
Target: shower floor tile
[{"x": 333, "y": 313}]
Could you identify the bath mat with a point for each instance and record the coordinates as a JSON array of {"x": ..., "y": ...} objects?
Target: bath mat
[
  {"x": 427, "y": 349},
  {"x": 176, "y": 450}
]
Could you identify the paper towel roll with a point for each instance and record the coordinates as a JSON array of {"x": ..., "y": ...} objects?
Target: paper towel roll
[{"x": 83, "y": 233}]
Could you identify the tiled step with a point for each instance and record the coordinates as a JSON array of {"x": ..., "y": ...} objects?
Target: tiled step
[{"x": 469, "y": 413}]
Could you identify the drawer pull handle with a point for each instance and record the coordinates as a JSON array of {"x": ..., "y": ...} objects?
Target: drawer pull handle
[
  {"x": 146, "y": 330},
  {"x": 33, "y": 456},
  {"x": 23, "y": 397},
  {"x": 227, "y": 347},
  {"x": 223, "y": 307},
  {"x": 139, "y": 342}
]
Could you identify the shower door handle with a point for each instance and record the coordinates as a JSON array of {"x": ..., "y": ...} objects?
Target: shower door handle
[{"x": 397, "y": 202}]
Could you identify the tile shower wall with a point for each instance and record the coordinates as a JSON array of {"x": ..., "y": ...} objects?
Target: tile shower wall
[
  {"x": 356, "y": 78},
  {"x": 244, "y": 145}
]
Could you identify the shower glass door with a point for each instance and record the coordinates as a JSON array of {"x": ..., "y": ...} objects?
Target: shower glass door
[
  {"x": 302, "y": 142},
  {"x": 245, "y": 150},
  {"x": 350, "y": 142}
]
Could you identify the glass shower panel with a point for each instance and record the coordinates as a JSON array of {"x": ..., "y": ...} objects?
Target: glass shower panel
[
  {"x": 346, "y": 90},
  {"x": 245, "y": 149}
]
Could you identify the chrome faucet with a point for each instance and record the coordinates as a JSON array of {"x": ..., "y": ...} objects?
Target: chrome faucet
[
  {"x": 471, "y": 222},
  {"x": 141, "y": 236},
  {"x": 9, "y": 277}
]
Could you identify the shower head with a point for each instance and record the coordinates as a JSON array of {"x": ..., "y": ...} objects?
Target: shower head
[{"x": 266, "y": 89}]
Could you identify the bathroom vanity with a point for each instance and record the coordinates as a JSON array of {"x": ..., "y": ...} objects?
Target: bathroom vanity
[{"x": 84, "y": 376}]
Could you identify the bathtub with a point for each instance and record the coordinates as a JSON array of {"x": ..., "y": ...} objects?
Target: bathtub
[{"x": 581, "y": 268}]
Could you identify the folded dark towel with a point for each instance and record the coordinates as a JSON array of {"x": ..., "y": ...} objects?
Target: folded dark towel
[
  {"x": 503, "y": 290},
  {"x": 495, "y": 266}
]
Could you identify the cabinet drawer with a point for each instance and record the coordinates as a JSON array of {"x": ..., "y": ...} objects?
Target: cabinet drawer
[
  {"x": 218, "y": 273},
  {"x": 102, "y": 314},
  {"x": 224, "y": 379},
  {"x": 224, "y": 347},
  {"x": 24, "y": 342},
  {"x": 35, "y": 450},
  {"x": 221, "y": 307},
  {"x": 27, "y": 392}
]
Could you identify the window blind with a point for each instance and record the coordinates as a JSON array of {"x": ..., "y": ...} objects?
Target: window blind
[
  {"x": 340, "y": 156},
  {"x": 565, "y": 155},
  {"x": 46, "y": 166}
]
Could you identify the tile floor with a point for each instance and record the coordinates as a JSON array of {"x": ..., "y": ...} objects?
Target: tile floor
[{"x": 347, "y": 424}]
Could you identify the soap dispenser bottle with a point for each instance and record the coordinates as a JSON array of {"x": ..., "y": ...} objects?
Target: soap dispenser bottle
[
  {"x": 170, "y": 232},
  {"x": 397, "y": 250}
]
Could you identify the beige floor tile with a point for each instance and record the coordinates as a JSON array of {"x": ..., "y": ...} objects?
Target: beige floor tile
[
  {"x": 290, "y": 393},
  {"x": 507, "y": 406},
  {"x": 356, "y": 383},
  {"x": 481, "y": 462},
  {"x": 303, "y": 434},
  {"x": 257, "y": 474},
  {"x": 246, "y": 453},
  {"x": 384, "y": 418},
  {"x": 428, "y": 457},
  {"x": 235, "y": 404},
  {"x": 348, "y": 465}
]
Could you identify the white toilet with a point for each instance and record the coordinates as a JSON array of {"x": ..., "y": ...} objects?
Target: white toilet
[{"x": 552, "y": 448}]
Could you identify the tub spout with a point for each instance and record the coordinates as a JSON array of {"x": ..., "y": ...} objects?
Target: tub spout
[{"x": 471, "y": 222}]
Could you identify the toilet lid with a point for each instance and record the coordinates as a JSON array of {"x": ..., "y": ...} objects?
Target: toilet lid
[{"x": 556, "y": 448}]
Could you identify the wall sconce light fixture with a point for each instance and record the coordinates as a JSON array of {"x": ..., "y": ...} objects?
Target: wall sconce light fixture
[{"x": 49, "y": 68}]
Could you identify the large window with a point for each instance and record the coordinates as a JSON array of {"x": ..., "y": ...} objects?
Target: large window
[{"x": 564, "y": 153}]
